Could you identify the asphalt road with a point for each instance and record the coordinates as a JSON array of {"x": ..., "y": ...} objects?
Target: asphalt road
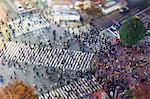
[
  {"x": 9, "y": 6},
  {"x": 106, "y": 21},
  {"x": 103, "y": 22}
]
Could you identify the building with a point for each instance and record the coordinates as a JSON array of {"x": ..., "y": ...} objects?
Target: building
[
  {"x": 64, "y": 13},
  {"x": 113, "y": 5},
  {"x": 82, "y": 4},
  {"x": 59, "y": 2},
  {"x": 63, "y": 10}
]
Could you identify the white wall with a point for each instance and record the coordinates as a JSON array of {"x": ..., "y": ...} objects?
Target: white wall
[{"x": 111, "y": 9}]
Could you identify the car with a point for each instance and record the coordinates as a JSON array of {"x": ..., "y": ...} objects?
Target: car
[
  {"x": 18, "y": 6},
  {"x": 116, "y": 26},
  {"x": 114, "y": 32},
  {"x": 124, "y": 10},
  {"x": 113, "y": 28},
  {"x": 148, "y": 32}
]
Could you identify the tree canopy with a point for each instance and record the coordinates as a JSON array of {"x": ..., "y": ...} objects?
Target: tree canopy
[
  {"x": 17, "y": 90},
  {"x": 132, "y": 31}
]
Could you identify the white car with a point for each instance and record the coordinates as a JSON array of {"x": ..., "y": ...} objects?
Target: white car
[
  {"x": 114, "y": 28},
  {"x": 18, "y": 6},
  {"x": 115, "y": 33}
]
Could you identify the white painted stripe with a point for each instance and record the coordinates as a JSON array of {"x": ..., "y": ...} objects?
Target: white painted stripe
[
  {"x": 5, "y": 7},
  {"x": 10, "y": 3},
  {"x": 143, "y": 11}
]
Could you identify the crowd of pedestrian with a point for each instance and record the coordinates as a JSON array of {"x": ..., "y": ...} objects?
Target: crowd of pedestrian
[{"x": 117, "y": 68}]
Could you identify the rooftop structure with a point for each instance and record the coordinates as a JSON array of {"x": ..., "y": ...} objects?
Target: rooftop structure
[
  {"x": 59, "y": 2},
  {"x": 113, "y": 5}
]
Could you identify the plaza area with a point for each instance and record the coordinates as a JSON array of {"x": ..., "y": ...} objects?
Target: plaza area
[{"x": 54, "y": 50}]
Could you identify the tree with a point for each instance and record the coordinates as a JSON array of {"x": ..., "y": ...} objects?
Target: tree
[
  {"x": 17, "y": 90},
  {"x": 132, "y": 31}
]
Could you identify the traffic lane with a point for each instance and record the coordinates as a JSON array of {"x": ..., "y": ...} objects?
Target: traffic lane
[
  {"x": 144, "y": 15},
  {"x": 132, "y": 12},
  {"x": 10, "y": 5},
  {"x": 141, "y": 3},
  {"x": 106, "y": 21},
  {"x": 147, "y": 12},
  {"x": 11, "y": 10},
  {"x": 102, "y": 23}
]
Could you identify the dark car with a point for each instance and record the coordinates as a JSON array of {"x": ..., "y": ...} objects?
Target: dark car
[{"x": 124, "y": 10}]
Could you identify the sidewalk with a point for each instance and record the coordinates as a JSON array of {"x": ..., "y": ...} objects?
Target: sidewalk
[
  {"x": 3, "y": 12},
  {"x": 3, "y": 28},
  {"x": 5, "y": 36}
]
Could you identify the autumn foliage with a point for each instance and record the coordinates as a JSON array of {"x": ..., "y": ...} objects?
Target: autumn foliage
[
  {"x": 17, "y": 90},
  {"x": 141, "y": 91}
]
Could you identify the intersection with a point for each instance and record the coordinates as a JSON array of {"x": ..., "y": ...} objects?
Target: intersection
[{"x": 70, "y": 59}]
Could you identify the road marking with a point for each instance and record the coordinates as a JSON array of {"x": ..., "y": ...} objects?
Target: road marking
[
  {"x": 5, "y": 7},
  {"x": 10, "y": 3},
  {"x": 143, "y": 11},
  {"x": 134, "y": 11}
]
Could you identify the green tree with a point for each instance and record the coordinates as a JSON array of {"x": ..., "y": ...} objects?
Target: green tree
[{"x": 132, "y": 31}]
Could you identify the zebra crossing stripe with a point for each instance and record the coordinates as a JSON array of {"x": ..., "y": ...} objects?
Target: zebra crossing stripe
[
  {"x": 24, "y": 28},
  {"x": 72, "y": 60}
]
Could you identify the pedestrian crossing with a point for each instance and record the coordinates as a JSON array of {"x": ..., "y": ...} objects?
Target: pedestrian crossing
[
  {"x": 95, "y": 40},
  {"x": 59, "y": 58},
  {"x": 77, "y": 30},
  {"x": 94, "y": 47},
  {"x": 26, "y": 25},
  {"x": 74, "y": 90},
  {"x": 97, "y": 46}
]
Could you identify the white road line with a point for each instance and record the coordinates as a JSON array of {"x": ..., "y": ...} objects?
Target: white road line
[
  {"x": 10, "y": 3},
  {"x": 143, "y": 11},
  {"x": 4, "y": 6},
  {"x": 135, "y": 11}
]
